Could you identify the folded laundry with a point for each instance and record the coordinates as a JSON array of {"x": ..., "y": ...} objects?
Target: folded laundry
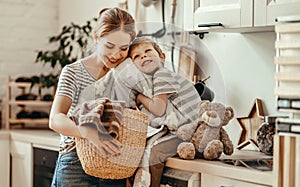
[{"x": 102, "y": 114}]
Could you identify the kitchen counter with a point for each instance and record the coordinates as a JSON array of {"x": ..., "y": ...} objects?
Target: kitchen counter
[
  {"x": 4, "y": 134},
  {"x": 228, "y": 171},
  {"x": 46, "y": 139}
]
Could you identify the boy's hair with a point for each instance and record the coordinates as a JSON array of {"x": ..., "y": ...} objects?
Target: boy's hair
[{"x": 142, "y": 40}]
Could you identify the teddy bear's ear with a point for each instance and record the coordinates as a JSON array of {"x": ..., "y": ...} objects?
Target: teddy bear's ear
[{"x": 229, "y": 112}]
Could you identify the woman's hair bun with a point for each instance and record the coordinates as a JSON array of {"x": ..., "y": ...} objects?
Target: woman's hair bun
[{"x": 103, "y": 10}]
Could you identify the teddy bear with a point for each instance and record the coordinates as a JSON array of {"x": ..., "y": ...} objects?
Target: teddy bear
[{"x": 206, "y": 138}]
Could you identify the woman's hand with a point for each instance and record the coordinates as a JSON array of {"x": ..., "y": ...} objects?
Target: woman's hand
[
  {"x": 108, "y": 147},
  {"x": 104, "y": 147}
]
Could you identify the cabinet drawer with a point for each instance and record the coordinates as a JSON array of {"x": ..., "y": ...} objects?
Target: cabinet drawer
[{"x": 215, "y": 181}]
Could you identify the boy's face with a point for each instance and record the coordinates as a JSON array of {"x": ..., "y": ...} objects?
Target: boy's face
[{"x": 146, "y": 58}]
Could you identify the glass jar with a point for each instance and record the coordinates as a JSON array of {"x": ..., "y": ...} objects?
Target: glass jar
[{"x": 265, "y": 135}]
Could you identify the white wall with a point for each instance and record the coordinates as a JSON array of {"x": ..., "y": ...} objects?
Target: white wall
[
  {"x": 79, "y": 11},
  {"x": 25, "y": 28},
  {"x": 243, "y": 61},
  {"x": 246, "y": 64}
]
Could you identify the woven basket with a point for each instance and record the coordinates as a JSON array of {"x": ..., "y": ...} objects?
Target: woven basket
[{"x": 132, "y": 135}]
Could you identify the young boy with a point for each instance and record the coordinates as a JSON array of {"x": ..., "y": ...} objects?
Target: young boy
[{"x": 172, "y": 102}]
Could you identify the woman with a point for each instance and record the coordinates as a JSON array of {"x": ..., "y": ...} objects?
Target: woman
[{"x": 112, "y": 35}]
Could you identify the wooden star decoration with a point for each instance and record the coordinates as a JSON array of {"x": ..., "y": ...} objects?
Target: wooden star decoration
[{"x": 250, "y": 125}]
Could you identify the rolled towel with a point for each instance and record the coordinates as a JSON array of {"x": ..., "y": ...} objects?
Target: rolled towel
[{"x": 112, "y": 117}]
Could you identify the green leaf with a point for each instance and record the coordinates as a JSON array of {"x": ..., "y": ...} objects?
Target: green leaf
[{"x": 72, "y": 36}]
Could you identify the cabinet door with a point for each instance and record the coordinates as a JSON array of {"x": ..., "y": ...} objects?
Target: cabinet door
[
  {"x": 215, "y": 181},
  {"x": 189, "y": 7},
  {"x": 277, "y": 8},
  {"x": 4, "y": 159},
  {"x": 266, "y": 11},
  {"x": 22, "y": 164},
  {"x": 230, "y": 13}
]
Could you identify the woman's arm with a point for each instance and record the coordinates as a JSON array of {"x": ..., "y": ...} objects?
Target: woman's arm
[
  {"x": 157, "y": 105},
  {"x": 59, "y": 121}
]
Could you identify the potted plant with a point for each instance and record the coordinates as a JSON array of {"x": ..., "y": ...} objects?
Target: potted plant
[{"x": 70, "y": 44}]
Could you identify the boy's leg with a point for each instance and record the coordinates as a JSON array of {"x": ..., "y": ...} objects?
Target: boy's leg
[
  {"x": 159, "y": 154},
  {"x": 130, "y": 180}
]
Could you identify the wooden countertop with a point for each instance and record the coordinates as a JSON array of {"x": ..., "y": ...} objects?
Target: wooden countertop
[{"x": 218, "y": 168}]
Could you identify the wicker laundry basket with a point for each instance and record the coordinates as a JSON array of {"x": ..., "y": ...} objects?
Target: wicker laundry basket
[{"x": 132, "y": 135}]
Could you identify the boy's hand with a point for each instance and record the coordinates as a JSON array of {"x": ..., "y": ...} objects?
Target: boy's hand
[{"x": 138, "y": 102}]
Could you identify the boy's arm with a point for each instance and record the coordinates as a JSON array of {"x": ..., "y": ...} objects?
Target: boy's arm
[{"x": 156, "y": 105}]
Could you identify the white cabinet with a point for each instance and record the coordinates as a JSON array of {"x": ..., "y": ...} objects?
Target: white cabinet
[
  {"x": 22, "y": 164},
  {"x": 229, "y": 13},
  {"x": 4, "y": 158},
  {"x": 266, "y": 11},
  {"x": 189, "y": 6},
  {"x": 216, "y": 181},
  {"x": 238, "y": 15},
  {"x": 23, "y": 144}
]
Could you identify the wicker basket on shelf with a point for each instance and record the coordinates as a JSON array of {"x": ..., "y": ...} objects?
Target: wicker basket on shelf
[{"x": 132, "y": 135}]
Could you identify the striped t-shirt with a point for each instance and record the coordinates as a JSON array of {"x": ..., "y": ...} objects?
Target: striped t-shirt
[
  {"x": 73, "y": 80},
  {"x": 183, "y": 98}
]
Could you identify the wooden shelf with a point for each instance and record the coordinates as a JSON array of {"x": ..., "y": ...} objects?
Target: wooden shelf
[
  {"x": 288, "y": 111},
  {"x": 29, "y": 120},
  {"x": 20, "y": 84},
  {"x": 31, "y": 103},
  {"x": 19, "y": 88},
  {"x": 287, "y": 145}
]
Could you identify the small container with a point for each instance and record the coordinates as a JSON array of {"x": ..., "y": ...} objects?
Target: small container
[
  {"x": 265, "y": 135},
  {"x": 204, "y": 92}
]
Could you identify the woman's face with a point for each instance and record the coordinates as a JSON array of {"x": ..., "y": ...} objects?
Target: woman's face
[{"x": 113, "y": 48}]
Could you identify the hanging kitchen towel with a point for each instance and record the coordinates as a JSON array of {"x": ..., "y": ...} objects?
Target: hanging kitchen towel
[
  {"x": 187, "y": 58},
  {"x": 102, "y": 115}
]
